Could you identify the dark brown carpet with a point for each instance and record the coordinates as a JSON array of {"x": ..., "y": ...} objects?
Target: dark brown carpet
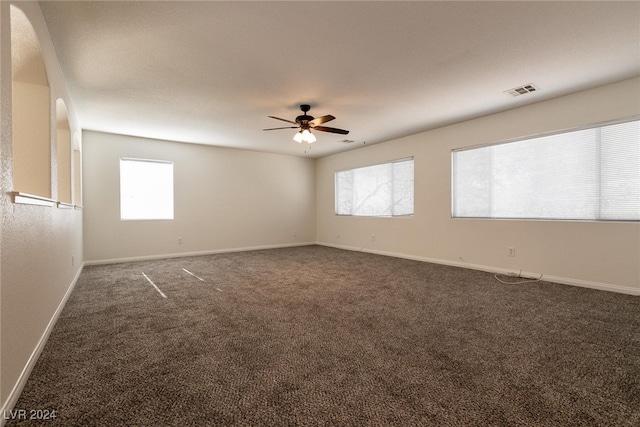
[{"x": 315, "y": 336}]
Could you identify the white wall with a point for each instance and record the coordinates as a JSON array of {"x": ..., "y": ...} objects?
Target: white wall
[
  {"x": 605, "y": 255},
  {"x": 225, "y": 199},
  {"x": 37, "y": 243}
]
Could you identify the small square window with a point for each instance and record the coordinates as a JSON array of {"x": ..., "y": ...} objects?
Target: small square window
[{"x": 146, "y": 189}]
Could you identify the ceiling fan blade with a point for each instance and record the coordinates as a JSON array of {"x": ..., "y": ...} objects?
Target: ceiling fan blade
[
  {"x": 284, "y": 120},
  {"x": 286, "y": 127},
  {"x": 321, "y": 120},
  {"x": 332, "y": 130}
]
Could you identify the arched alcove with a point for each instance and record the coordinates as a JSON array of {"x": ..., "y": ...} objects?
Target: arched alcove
[
  {"x": 77, "y": 170},
  {"x": 31, "y": 110},
  {"x": 63, "y": 140}
]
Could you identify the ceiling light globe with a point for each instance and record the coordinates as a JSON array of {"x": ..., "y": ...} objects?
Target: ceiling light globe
[{"x": 311, "y": 138}]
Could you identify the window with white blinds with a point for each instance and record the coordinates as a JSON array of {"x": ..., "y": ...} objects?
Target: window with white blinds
[
  {"x": 380, "y": 190},
  {"x": 588, "y": 174},
  {"x": 146, "y": 189}
]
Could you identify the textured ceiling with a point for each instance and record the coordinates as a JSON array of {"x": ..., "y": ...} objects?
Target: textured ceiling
[{"x": 211, "y": 72}]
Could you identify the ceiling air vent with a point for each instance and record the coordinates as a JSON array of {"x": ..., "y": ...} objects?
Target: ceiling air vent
[{"x": 522, "y": 90}]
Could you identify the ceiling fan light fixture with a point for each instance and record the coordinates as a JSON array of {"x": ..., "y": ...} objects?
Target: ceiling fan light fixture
[
  {"x": 304, "y": 136},
  {"x": 305, "y": 123}
]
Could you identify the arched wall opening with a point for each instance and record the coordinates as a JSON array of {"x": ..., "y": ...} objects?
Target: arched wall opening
[
  {"x": 63, "y": 144},
  {"x": 77, "y": 170},
  {"x": 31, "y": 109}
]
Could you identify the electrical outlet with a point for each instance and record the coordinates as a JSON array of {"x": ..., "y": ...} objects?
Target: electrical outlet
[
  {"x": 373, "y": 237},
  {"x": 511, "y": 251},
  {"x": 179, "y": 240},
  {"x": 295, "y": 233}
]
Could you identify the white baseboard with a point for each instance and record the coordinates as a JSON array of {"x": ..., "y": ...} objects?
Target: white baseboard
[
  {"x": 198, "y": 253},
  {"x": 497, "y": 270},
  {"x": 593, "y": 285},
  {"x": 14, "y": 395}
]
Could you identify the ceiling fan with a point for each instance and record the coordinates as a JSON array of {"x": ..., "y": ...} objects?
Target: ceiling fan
[{"x": 305, "y": 123}]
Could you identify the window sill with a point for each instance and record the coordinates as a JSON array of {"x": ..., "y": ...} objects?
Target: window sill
[
  {"x": 374, "y": 216},
  {"x": 30, "y": 199}
]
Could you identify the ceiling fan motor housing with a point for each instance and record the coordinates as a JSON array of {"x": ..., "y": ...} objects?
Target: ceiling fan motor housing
[{"x": 304, "y": 119}]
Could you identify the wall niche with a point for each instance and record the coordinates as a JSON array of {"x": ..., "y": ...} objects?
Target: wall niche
[{"x": 31, "y": 109}]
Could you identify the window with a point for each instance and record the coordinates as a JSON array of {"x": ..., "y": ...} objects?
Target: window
[
  {"x": 380, "y": 190},
  {"x": 146, "y": 189},
  {"x": 588, "y": 174}
]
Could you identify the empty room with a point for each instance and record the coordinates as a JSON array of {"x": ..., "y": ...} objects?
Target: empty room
[{"x": 331, "y": 213}]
